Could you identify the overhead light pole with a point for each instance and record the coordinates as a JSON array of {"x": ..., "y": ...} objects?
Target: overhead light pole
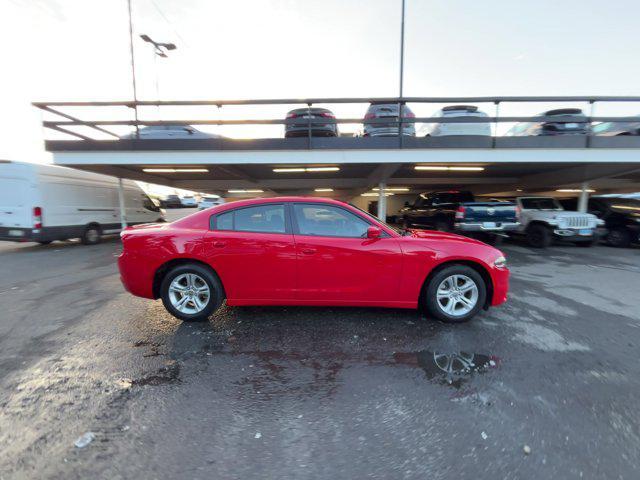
[{"x": 160, "y": 49}]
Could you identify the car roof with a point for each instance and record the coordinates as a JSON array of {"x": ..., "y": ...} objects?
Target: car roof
[
  {"x": 265, "y": 200},
  {"x": 195, "y": 218}
]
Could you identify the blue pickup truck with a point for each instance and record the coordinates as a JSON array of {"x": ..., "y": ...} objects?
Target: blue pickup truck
[{"x": 457, "y": 211}]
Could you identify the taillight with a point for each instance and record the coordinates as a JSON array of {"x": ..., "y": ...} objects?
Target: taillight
[
  {"x": 37, "y": 217},
  {"x": 409, "y": 115},
  {"x": 369, "y": 116},
  {"x": 327, "y": 115},
  {"x": 518, "y": 211},
  {"x": 460, "y": 213},
  {"x": 292, "y": 115}
]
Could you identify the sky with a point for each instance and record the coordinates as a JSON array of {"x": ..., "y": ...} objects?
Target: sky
[{"x": 78, "y": 50}]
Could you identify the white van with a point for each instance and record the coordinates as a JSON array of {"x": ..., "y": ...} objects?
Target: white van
[{"x": 42, "y": 203}]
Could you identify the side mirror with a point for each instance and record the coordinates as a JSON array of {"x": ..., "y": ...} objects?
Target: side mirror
[{"x": 373, "y": 232}]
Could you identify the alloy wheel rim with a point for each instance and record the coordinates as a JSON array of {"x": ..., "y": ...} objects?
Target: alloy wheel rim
[
  {"x": 189, "y": 293},
  {"x": 457, "y": 295}
]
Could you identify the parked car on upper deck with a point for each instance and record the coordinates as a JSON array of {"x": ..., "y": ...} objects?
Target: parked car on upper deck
[
  {"x": 167, "y": 132},
  {"x": 458, "y": 211},
  {"x": 570, "y": 121},
  {"x": 307, "y": 251},
  {"x": 542, "y": 219},
  {"x": 451, "y": 129},
  {"x": 615, "y": 129},
  {"x": 310, "y": 117},
  {"x": 390, "y": 111},
  {"x": 621, "y": 217}
]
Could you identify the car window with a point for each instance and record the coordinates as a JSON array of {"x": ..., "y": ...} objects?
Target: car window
[
  {"x": 329, "y": 221},
  {"x": 224, "y": 221},
  {"x": 541, "y": 203},
  {"x": 262, "y": 218}
]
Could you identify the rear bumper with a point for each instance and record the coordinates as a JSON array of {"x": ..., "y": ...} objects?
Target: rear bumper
[
  {"x": 135, "y": 279},
  {"x": 391, "y": 131},
  {"x": 9, "y": 234},
  {"x": 479, "y": 227},
  {"x": 316, "y": 131}
]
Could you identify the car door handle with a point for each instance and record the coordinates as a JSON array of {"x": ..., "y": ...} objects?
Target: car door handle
[
  {"x": 219, "y": 244},
  {"x": 308, "y": 251}
]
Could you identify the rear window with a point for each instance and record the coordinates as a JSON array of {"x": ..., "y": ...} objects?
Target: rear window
[{"x": 262, "y": 219}]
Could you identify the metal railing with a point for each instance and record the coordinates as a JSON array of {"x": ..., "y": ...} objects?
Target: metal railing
[{"x": 69, "y": 121}]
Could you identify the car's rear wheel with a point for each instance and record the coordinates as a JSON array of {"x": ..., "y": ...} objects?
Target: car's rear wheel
[
  {"x": 191, "y": 292},
  {"x": 538, "y": 236},
  {"x": 455, "y": 294},
  {"x": 618, "y": 237},
  {"x": 91, "y": 235}
]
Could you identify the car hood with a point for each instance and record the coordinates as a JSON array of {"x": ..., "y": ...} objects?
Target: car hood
[
  {"x": 557, "y": 214},
  {"x": 436, "y": 235}
]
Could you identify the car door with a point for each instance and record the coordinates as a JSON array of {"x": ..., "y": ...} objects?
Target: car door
[
  {"x": 253, "y": 251},
  {"x": 337, "y": 263}
]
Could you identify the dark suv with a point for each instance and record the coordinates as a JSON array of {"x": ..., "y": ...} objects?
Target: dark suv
[{"x": 621, "y": 217}]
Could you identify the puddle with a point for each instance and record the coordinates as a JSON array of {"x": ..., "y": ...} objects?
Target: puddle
[{"x": 452, "y": 369}]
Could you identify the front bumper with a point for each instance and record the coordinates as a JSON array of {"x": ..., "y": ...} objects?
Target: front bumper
[
  {"x": 576, "y": 235},
  {"x": 480, "y": 227},
  {"x": 500, "y": 279}
]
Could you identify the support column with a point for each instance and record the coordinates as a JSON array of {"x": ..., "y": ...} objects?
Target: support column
[
  {"x": 123, "y": 211},
  {"x": 583, "y": 201},
  {"x": 382, "y": 202}
]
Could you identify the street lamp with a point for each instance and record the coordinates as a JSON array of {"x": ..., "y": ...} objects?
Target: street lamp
[
  {"x": 160, "y": 47},
  {"x": 160, "y": 50}
]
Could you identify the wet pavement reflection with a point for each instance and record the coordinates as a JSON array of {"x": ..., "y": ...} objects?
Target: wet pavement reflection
[{"x": 448, "y": 368}]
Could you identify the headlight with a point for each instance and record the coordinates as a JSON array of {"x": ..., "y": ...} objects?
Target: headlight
[{"x": 500, "y": 262}]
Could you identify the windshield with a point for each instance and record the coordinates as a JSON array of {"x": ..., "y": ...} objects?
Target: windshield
[{"x": 540, "y": 203}]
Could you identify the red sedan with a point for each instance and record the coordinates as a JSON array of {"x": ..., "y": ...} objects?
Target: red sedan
[{"x": 307, "y": 251}]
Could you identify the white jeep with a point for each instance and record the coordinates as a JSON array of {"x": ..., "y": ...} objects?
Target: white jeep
[{"x": 542, "y": 219}]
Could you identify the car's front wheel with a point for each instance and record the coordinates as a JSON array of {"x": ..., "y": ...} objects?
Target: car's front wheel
[
  {"x": 455, "y": 294},
  {"x": 191, "y": 292}
]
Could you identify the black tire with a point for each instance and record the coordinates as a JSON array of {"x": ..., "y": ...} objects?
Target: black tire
[
  {"x": 92, "y": 235},
  {"x": 538, "y": 236},
  {"x": 619, "y": 237},
  {"x": 215, "y": 287},
  {"x": 435, "y": 309},
  {"x": 44, "y": 242}
]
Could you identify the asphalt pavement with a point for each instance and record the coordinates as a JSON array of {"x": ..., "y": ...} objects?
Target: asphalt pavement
[{"x": 545, "y": 386}]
